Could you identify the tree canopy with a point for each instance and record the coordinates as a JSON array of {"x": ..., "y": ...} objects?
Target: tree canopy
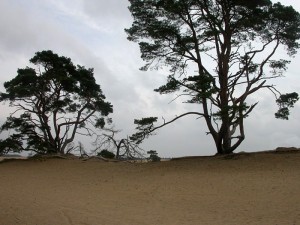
[
  {"x": 219, "y": 52},
  {"x": 53, "y": 102}
]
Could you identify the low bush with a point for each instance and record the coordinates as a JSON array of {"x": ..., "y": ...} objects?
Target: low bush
[{"x": 106, "y": 154}]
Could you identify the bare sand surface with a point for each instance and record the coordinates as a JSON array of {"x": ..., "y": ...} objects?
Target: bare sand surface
[{"x": 262, "y": 189}]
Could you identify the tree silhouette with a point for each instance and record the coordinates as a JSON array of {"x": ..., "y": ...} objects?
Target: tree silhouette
[
  {"x": 54, "y": 102},
  {"x": 219, "y": 53}
]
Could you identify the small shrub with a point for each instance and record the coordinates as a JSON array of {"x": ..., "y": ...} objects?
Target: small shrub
[
  {"x": 106, "y": 154},
  {"x": 153, "y": 156}
]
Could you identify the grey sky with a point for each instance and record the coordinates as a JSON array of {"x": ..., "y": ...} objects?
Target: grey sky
[{"x": 92, "y": 34}]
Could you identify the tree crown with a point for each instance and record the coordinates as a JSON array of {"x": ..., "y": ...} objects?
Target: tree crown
[
  {"x": 55, "y": 99},
  {"x": 218, "y": 52}
]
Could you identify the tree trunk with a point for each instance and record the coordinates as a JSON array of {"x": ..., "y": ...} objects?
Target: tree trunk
[{"x": 224, "y": 144}]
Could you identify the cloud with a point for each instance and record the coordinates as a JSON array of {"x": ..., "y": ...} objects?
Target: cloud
[
  {"x": 110, "y": 14},
  {"x": 92, "y": 34}
]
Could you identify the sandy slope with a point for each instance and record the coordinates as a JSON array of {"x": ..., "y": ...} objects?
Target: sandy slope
[{"x": 247, "y": 189}]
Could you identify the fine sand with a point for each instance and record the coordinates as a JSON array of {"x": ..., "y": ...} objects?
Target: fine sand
[{"x": 261, "y": 188}]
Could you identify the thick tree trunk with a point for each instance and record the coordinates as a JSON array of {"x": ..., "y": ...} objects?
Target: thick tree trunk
[{"x": 224, "y": 143}]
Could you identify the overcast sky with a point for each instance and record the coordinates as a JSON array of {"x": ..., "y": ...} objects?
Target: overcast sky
[{"x": 91, "y": 33}]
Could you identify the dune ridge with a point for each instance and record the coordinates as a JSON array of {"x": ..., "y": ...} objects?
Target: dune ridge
[{"x": 252, "y": 188}]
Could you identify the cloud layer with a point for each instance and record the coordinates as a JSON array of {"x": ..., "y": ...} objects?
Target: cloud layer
[{"x": 92, "y": 34}]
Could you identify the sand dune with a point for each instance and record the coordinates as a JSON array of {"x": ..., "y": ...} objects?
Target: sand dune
[{"x": 242, "y": 189}]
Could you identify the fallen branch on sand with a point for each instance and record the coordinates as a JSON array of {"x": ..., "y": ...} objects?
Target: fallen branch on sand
[{"x": 100, "y": 158}]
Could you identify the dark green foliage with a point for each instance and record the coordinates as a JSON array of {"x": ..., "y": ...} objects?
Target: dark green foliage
[
  {"x": 153, "y": 156},
  {"x": 171, "y": 86},
  {"x": 106, "y": 154},
  {"x": 214, "y": 48},
  {"x": 11, "y": 144},
  {"x": 285, "y": 102},
  {"x": 144, "y": 127},
  {"x": 54, "y": 101}
]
